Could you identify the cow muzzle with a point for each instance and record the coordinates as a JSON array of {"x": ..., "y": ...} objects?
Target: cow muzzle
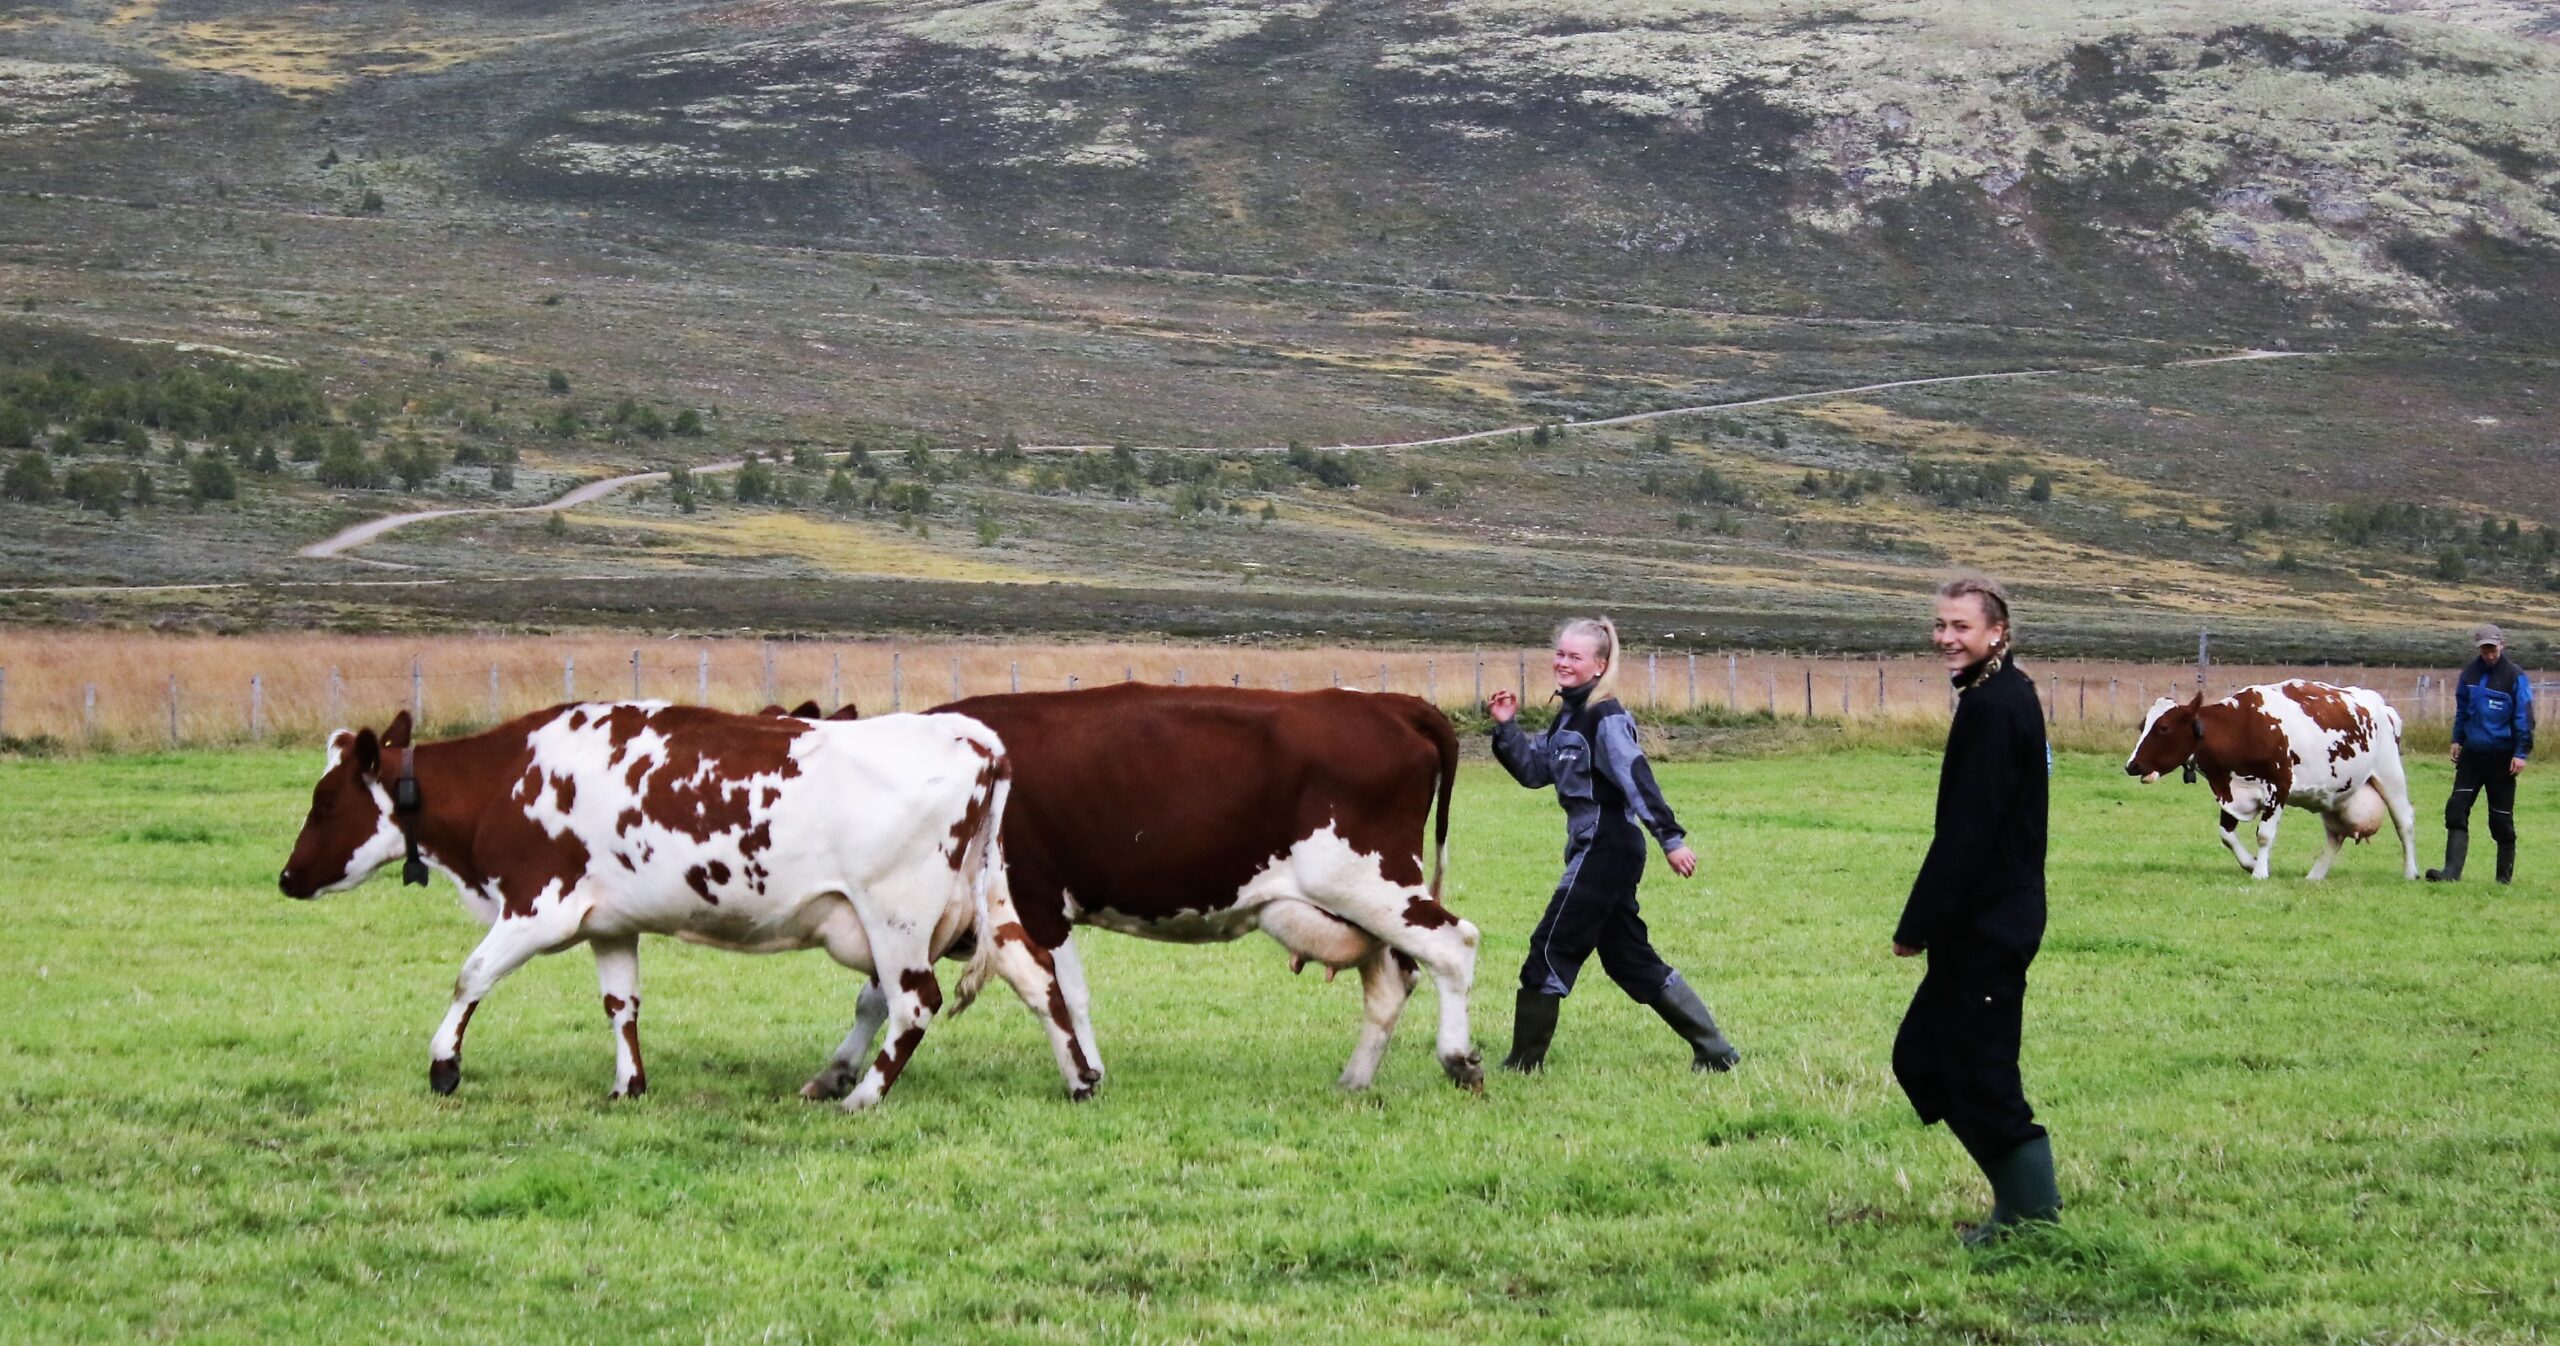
[
  {"x": 2151, "y": 778},
  {"x": 291, "y": 885}
]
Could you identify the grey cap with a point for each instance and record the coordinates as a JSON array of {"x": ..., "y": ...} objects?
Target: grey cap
[{"x": 2487, "y": 633}]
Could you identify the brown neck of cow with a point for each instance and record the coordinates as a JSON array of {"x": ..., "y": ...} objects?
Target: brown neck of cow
[{"x": 458, "y": 781}]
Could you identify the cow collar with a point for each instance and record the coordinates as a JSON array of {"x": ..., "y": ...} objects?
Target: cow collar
[{"x": 406, "y": 804}]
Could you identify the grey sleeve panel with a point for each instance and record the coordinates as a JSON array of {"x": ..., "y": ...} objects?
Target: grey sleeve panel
[
  {"x": 1524, "y": 757},
  {"x": 1623, "y": 759}
]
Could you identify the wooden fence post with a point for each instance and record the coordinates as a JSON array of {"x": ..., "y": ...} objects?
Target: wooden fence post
[
  {"x": 174, "y": 738},
  {"x": 1808, "y": 693},
  {"x": 1430, "y": 681},
  {"x": 1693, "y": 680},
  {"x": 337, "y": 697},
  {"x": 1479, "y": 677},
  {"x": 1733, "y": 684},
  {"x": 1014, "y": 670},
  {"x": 955, "y": 677},
  {"x": 89, "y": 712},
  {"x": 4, "y": 702},
  {"x": 493, "y": 694},
  {"x": 898, "y": 679},
  {"x": 702, "y": 676},
  {"x": 635, "y": 675},
  {"x": 764, "y": 651},
  {"x": 569, "y": 677},
  {"x": 257, "y": 707},
  {"x": 1382, "y": 677}
]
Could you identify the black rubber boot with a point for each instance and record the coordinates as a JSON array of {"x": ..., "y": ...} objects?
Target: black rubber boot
[
  {"x": 1681, "y": 1008},
  {"x": 2457, "y": 848},
  {"x": 2023, "y": 1191},
  {"x": 1533, "y": 1026},
  {"x": 2506, "y": 862}
]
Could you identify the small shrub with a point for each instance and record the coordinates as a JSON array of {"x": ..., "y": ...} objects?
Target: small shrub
[
  {"x": 345, "y": 465},
  {"x": 18, "y": 427},
  {"x": 688, "y": 423},
  {"x": 754, "y": 485},
  {"x": 555, "y": 525},
  {"x": 30, "y": 479},
  {"x": 98, "y": 486},
  {"x": 266, "y": 464},
  {"x": 209, "y": 477},
  {"x": 2451, "y": 567},
  {"x": 502, "y": 477},
  {"x": 556, "y": 381}
]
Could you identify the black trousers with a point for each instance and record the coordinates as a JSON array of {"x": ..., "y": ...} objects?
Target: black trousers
[
  {"x": 1594, "y": 908},
  {"x": 1956, "y": 1055},
  {"x": 2473, "y": 774}
]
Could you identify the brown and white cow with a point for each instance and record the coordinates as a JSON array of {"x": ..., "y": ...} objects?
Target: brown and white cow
[
  {"x": 2335, "y": 750},
  {"x": 877, "y": 841},
  {"x": 1202, "y": 814}
]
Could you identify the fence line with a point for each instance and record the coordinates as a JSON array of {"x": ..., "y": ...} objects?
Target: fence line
[{"x": 112, "y": 691}]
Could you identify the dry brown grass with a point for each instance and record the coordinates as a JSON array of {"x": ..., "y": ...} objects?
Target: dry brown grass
[{"x": 117, "y": 691}]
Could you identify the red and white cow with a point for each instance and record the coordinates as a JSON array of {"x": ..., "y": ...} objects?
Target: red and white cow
[
  {"x": 2335, "y": 750},
  {"x": 877, "y": 841},
  {"x": 1202, "y": 814}
]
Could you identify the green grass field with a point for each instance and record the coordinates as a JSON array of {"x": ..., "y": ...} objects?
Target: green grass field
[{"x": 2284, "y": 1113}]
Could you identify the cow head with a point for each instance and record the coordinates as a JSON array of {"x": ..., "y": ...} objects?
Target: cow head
[
  {"x": 2169, "y": 736},
  {"x": 349, "y": 832}
]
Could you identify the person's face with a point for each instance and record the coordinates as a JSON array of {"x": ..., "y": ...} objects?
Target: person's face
[
  {"x": 1578, "y": 659},
  {"x": 1963, "y": 634},
  {"x": 2489, "y": 655}
]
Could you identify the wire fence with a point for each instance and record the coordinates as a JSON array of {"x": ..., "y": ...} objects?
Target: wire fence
[{"x": 103, "y": 691}]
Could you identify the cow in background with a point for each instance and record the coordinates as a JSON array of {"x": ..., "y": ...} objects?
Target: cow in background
[
  {"x": 877, "y": 841},
  {"x": 2334, "y": 750}
]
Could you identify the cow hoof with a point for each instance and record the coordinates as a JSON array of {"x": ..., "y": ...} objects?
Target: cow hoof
[
  {"x": 827, "y": 1087},
  {"x": 633, "y": 1090},
  {"x": 444, "y": 1076},
  {"x": 1082, "y": 1093},
  {"x": 1466, "y": 1072}
]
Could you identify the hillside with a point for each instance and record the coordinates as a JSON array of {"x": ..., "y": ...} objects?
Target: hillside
[{"x": 1226, "y": 227}]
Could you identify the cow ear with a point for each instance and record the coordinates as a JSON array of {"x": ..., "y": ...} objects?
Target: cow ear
[
  {"x": 806, "y": 710},
  {"x": 340, "y": 740},
  {"x": 2198, "y": 702},
  {"x": 771, "y": 712},
  {"x": 368, "y": 754},
  {"x": 397, "y": 736},
  {"x": 847, "y": 711}
]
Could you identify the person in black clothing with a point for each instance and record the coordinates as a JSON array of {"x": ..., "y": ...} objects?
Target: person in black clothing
[
  {"x": 1590, "y": 755},
  {"x": 1977, "y": 912},
  {"x": 2492, "y": 737}
]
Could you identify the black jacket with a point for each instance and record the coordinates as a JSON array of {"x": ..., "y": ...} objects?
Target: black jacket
[{"x": 1983, "y": 882}]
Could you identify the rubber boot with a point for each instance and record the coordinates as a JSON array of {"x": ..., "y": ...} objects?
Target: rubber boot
[
  {"x": 2023, "y": 1191},
  {"x": 1681, "y": 1008},
  {"x": 2506, "y": 862},
  {"x": 1533, "y": 1026},
  {"x": 2457, "y": 848}
]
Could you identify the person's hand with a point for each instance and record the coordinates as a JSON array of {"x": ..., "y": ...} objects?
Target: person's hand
[
  {"x": 1502, "y": 706},
  {"x": 2515, "y": 766},
  {"x": 1902, "y": 950},
  {"x": 1684, "y": 862},
  {"x": 2454, "y": 754}
]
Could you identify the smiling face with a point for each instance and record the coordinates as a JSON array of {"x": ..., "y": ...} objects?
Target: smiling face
[
  {"x": 1964, "y": 634},
  {"x": 348, "y": 834},
  {"x": 1577, "y": 660}
]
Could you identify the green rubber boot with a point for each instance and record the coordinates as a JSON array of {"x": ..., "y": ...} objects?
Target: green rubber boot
[
  {"x": 2457, "y": 848},
  {"x": 2023, "y": 1192},
  {"x": 1533, "y": 1026}
]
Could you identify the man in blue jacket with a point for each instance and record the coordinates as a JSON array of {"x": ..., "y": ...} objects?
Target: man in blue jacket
[{"x": 2492, "y": 737}]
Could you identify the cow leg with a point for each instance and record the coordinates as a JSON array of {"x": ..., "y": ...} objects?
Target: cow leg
[
  {"x": 1070, "y": 969},
  {"x": 911, "y": 1008},
  {"x": 870, "y": 1013},
  {"x": 2266, "y": 839},
  {"x": 1034, "y": 974},
  {"x": 510, "y": 944},
  {"x": 1445, "y": 945},
  {"x": 1386, "y": 982},
  {"x": 2231, "y": 838},
  {"x": 2393, "y": 781},
  {"x": 618, "y": 977},
  {"x": 2337, "y": 832}
]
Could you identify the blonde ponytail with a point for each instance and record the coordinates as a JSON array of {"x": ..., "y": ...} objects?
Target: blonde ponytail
[{"x": 1603, "y": 633}]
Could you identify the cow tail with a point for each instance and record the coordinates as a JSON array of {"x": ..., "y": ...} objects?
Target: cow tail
[
  {"x": 983, "y": 862},
  {"x": 1444, "y": 736}
]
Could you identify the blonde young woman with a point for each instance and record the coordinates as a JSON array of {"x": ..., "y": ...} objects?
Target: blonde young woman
[{"x": 1589, "y": 754}]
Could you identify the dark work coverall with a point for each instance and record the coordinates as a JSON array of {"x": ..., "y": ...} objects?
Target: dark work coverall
[
  {"x": 1590, "y": 755},
  {"x": 1978, "y": 909}
]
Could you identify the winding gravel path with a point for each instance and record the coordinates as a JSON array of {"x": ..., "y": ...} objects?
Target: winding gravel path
[{"x": 339, "y": 544}]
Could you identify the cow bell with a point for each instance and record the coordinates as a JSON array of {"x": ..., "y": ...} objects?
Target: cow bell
[{"x": 2188, "y": 772}]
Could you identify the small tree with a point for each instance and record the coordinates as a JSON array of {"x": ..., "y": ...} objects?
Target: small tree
[
  {"x": 565, "y": 422},
  {"x": 502, "y": 477},
  {"x": 755, "y": 483},
  {"x": 209, "y": 477},
  {"x": 266, "y": 464},
  {"x": 2041, "y": 490},
  {"x": 18, "y": 427},
  {"x": 2450, "y": 566},
  {"x": 30, "y": 479},
  {"x": 555, "y": 525},
  {"x": 413, "y": 463},
  {"x": 307, "y": 445},
  {"x": 840, "y": 494},
  {"x": 372, "y": 203},
  {"x": 146, "y": 492},
  {"x": 98, "y": 486},
  {"x": 557, "y": 382},
  {"x": 688, "y": 423},
  {"x": 436, "y": 358},
  {"x": 345, "y": 465}
]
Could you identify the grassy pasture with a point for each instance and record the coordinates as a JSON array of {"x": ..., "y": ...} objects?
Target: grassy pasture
[{"x": 2283, "y": 1113}]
